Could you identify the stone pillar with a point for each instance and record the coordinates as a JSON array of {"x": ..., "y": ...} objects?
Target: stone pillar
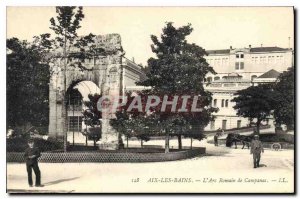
[
  {"x": 52, "y": 112},
  {"x": 111, "y": 87},
  {"x": 55, "y": 105}
]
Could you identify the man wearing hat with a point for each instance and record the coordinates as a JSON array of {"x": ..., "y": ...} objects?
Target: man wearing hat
[
  {"x": 256, "y": 149},
  {"x": 31, "y": 155}
]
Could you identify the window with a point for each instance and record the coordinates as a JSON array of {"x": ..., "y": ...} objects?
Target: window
[
  {"x": 212, "y": 124},
  {"x": 216, "y": 78},
  {"x": 239, "y": 55},
  {"x": 74, "y": 123},
  {"x": 239, "y": 124},
  {"x": 222, "y": 104},
  {"x": 215, "y": 102},
  {"x": 209, "y": 79},
  {"x": 237, "y": 65},
  {"x": 226, "y": 103},
  {"x": 224, "y": 122},
  {"x": 241, "y": 65},
  {"x": 74, "y": 101},
  {"x": 281, "y": 59},
  {"x": 255, "y": 60}
]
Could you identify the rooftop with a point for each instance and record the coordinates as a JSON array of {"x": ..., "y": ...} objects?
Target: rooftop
[
  {"x": 267, "y": 49},
  {"x": 270, "y": 74},
  {"x": 252, "y": 50},
  {"x": 223, "y": 51}
]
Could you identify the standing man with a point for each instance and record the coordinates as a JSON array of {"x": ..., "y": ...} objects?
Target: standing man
[
  {"x": 256, "y": 149},
  {"x": 31, "y": 155},
  {"x": 216, "y": 139}
]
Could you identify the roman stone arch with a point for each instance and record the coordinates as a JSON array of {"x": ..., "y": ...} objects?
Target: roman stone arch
[{"x": 96, "y": 70}]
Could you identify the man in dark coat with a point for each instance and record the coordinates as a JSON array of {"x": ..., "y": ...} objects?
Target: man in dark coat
[
  {"x": 31, "y": 155},
  {"x": 216, "y": 139},
  {"x": 256, "y": 149}
]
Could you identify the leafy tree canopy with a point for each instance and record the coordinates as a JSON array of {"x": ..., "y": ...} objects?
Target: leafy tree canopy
[
  {"x": 255, "y": 102},
  {"x": 284, "y": 111},
  {"x": 27, "y": 82}
]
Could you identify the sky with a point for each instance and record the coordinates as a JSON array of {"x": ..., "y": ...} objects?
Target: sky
[{"x": 214, "y": 27}]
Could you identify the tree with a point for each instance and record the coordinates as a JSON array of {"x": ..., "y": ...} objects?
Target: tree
[
  {"x": 255, "y": 102},
  {"x": 92, "y": 118},
  {"x": 179, "y": 68},
  {"x": 65, "y": 27},
  {"x": 285, "y": 106},
  {"x": 27, "y": 82},
  {"x": 134, "y": 123}
]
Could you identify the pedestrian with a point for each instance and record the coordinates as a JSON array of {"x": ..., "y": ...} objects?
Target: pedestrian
[
  {"x": 216, "y": 139},
  {"x": 256, "y": 149},
  {"x": 31, "y": 155}
]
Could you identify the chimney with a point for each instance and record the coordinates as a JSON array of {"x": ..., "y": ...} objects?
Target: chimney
[
  {"x": 230, "y": 47},
  {"x": 249, "y": 46}
]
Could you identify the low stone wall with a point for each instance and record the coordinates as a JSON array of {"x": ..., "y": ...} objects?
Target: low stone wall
[{"x": 110, "y": 156}]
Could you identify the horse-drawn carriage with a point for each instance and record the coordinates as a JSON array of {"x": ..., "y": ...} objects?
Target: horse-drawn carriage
[{"x": 274, "y": 141}]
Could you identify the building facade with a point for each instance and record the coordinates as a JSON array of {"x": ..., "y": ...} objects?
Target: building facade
[{"x": 238, "y": 69}]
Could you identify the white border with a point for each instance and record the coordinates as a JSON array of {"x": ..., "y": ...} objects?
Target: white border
[{"x": 5, "y": 3}]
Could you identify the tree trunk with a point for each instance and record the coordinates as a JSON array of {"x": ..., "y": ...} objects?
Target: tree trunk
[
  {"x": 95, "y": 143},
  {"x": 65, "y": 122},
  {"x": 64, "y": 104},
  {"x": 127, "y": 141},
  {"x": 141, "y": 143},
  {"x": 257, "y": 126},
  {"x": 86, "y": 138},
  {"x": 179, "y": 142},
  {"x": 167, "y": 147},
  {"x": 191, "y": 143}
]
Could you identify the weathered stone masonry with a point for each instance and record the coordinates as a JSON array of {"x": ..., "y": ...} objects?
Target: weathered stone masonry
[{"x": 104, "y": 71}]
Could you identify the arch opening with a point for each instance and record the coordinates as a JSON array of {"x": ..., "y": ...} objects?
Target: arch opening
[{"x": 77, "y": 93}]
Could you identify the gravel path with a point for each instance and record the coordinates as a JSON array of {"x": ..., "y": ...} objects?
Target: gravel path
[{"x": 219, "y": 171}]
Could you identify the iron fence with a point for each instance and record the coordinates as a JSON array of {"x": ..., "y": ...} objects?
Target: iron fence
[{"x": 110, "y": 156}]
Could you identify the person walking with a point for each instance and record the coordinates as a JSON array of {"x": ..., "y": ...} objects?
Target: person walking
[
  {"x": 256, "y": 150},
  {"x": 31, "y": 155}
]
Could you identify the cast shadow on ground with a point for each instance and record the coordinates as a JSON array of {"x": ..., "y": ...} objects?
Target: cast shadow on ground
[
  {"x": 262, "y": 165},
  {"x": 59, "y": 181},
  {"x": 225, "y": 152}
]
